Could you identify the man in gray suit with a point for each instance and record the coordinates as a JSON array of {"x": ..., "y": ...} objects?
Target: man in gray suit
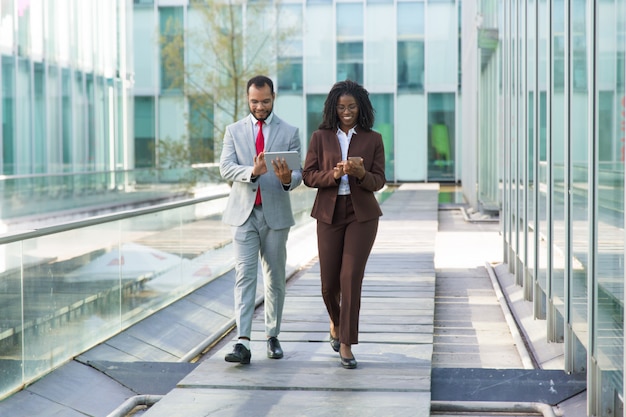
[{"x": 259, "y": 211}]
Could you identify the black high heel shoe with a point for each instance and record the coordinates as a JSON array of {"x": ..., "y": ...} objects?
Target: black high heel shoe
[
  {"x": 348, "y": 363},
  {"x": 334, "y": 343}
]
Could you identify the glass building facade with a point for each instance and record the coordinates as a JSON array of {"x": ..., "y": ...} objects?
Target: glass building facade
[
  {"x": 558, "y": 69},
  {"x": 64, "y": 86}
]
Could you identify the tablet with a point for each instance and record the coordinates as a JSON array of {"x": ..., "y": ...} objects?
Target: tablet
[{"x": 291, "y": 157}]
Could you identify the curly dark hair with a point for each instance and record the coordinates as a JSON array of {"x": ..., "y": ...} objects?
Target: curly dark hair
[{"x": 330, "y": 119}]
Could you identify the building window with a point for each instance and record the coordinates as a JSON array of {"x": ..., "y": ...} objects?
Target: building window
[
  {"x": 350, "y": 42},
  {"x": 350, "y": 61},
  {"x": 410, "y": 57},
  {"x": 290, "y": 78},
  {"x": 144, "y": 132},
  {"x": 172, "y": 56}
]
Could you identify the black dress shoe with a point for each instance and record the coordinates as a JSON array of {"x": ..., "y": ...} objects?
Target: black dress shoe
[
  {"x": 240, "y": 354},
  {"x": 334, "y": 343},
  {"x": 274, "y": 351},
  {"x": 348, "y": 363}
]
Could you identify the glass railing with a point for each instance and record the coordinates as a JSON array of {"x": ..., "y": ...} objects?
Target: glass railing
[
  {"x": 26, "y": 196},
  {"x": 67, "y": 287}
]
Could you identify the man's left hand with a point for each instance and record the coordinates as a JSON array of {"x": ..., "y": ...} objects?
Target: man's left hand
[{"x": 282, "y": 171}]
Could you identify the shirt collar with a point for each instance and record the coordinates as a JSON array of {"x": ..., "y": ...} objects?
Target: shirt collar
[{"x": 351, "y": 131}]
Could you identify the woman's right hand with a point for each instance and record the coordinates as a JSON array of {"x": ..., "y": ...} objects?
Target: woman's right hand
[{"x": 338, "y": 171}]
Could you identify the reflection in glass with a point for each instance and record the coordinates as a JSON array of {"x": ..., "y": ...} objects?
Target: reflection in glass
[
  {"x": 383, "y": 105},
  {"x": 579, "y": 175},
  {"x": 441, "y": 134},
  {"x": 557, "y": 102},
  {"x": 608, "y": 324}
]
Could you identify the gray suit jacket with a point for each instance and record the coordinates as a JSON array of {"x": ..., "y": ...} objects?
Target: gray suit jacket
[{"x": 236, "y": 162}]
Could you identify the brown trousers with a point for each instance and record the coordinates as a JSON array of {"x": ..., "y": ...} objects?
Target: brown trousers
[{"x": 344, "y": 248}]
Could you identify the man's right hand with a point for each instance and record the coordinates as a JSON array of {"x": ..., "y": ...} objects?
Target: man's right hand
[{"x": 259, "y": 167}]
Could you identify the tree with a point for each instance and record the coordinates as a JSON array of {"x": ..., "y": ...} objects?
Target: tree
[{"x": 226, "y": 43}]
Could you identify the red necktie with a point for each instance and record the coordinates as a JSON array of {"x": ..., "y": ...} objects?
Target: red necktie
[{"x": 260, "y": 144}]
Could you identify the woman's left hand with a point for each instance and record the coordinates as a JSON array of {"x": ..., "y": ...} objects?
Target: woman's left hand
[{"x": 354, "y": 166}]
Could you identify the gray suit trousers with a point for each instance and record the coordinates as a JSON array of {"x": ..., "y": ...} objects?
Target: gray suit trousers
[{"x": 250, "y": 239}]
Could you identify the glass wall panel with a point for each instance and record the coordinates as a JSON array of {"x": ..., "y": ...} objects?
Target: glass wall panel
[
  {"x": 411, "y": 160},
  {"x": 531, "y": 138},
  {"x": 558, "y": 105},
  {"x": 542, "y": 137},
  {"x": 320, "y": 71},
  {"x": 379, "y": 48},
  {"x": 11, "y": 312},
  {"x": 410, "y": 51},
  {"x": 145, "y": 139},
  {"x": 290, "y": 50},
  {"x": 608, "y": 332},
  {"x": 54, "y": 112},
  {"x": 144, "y": 54},
  {"x": 579, "y": 176},
  {"x": 67, "y": 118},
  {"x": 8, "y": 115},
  {"x": 23, "y": 115},
  {"x": 383, "y": 104},
  {"x": 443, "y": 42},
  {"x": 441, "y": 136},
  {"x": 6, "y": 25},
  {"x": 201, "y": 121},
  {"x": 170, "y": 25},
  {"x": 314, "y": 110},
  {"x": 350, "y": 42},
  {"x": 40, "y": 126},
  {"x": 23, "y": 29}
]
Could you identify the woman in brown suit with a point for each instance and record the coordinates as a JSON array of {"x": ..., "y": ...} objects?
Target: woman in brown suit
[{"x": 346, "y": 163}]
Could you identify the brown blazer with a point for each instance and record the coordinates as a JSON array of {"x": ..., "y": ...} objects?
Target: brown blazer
[{"x": 322, "y": 156}]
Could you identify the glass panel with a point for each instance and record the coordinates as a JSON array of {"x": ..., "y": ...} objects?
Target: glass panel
[
  {"x": 350, "y": 42},
  {"x": 442, "y": 45},
  {"x": 383, "y": 104},
  {"x": 201, "y": 121},
  {"x": 541, "y": 218},
  {"x": 608, "y": 331},
  {"x": 53, "y": 140},
  {"x": 40, "y": 129},
  {"x": 411, "y": 158},
  {"x": 8, "y": 116},
  {"x": 171, "y": 27},
  {"x": 6, "y": 25},
  {"x": 290, "y": 79},
  {"x": 557, "y": 284},
  {"x": 320, "y": 71},
  {"x": 23, "y": 89},
  {"x": 410, "y": 49},
  {"x": 314, "y": 109},
  {"x": 380, "y": 47},
  {"x": 144, "y": 43},
  {"x": 349, "y": 21},
  {"x": 441, "y": 134},
  {"x": 411, "y": 66},
  {"x": 66, "y": 119},
  {"x": 144, "y": 132},
  {"x": 350, "y": 61},
  {"x": 23, "y": 29},
  {"x": 11, "y": 313},
  {"x": 579, "y": 177},
  {"x": 531, "y": 45}
]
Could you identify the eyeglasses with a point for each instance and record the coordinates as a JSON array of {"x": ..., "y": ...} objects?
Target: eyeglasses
[
  {"x": 264, "y": 103},
  {"x": 351, "y": 108}
]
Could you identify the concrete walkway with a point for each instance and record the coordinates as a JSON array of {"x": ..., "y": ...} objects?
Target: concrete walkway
[{"x": 396, "y": 338}]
